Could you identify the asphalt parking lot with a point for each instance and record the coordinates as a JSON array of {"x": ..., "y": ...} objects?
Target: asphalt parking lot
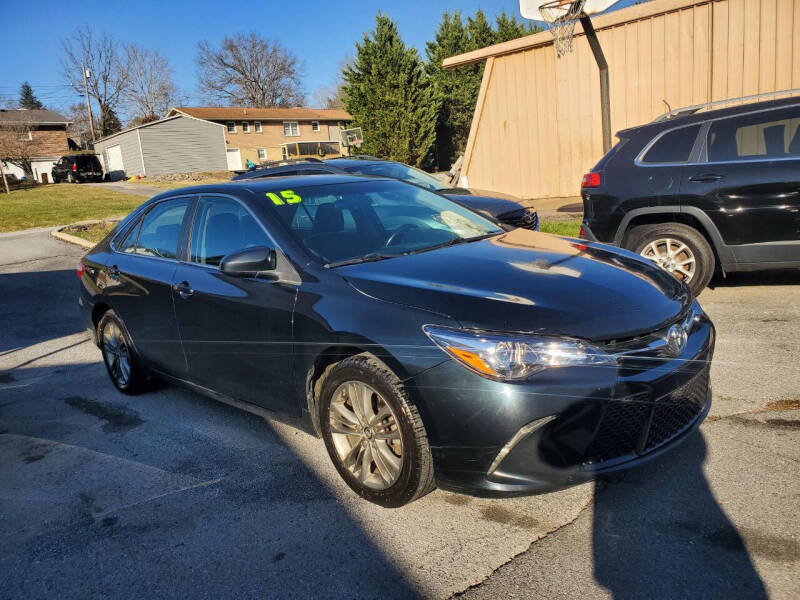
[{"x": 171, "y": 494}]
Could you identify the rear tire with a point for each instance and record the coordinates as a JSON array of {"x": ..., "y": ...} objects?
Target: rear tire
[
  {"x": 122, "y": 364},
  {"x": 381, "y": 449},
  {"x": 678, "y": 249}
]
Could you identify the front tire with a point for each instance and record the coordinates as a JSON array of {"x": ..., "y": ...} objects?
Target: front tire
[
  {"x": 123, "y": 366},
  {"x": 374, "y": 434},
  {"x": 679, "y": 249}
]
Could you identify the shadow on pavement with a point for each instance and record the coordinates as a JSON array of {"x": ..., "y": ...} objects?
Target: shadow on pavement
[
  {"x": 660, "y": 533},
  {"x": 780, "y": 277},
  {"x": 167, "y": 494},
  {"x": 38, "y": 306}
]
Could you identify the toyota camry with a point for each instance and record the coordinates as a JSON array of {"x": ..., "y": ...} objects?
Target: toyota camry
[{"x": 426, "y": 346}]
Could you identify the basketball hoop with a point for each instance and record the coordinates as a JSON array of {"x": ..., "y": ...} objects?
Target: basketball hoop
[{"x": 561, "y": 17}]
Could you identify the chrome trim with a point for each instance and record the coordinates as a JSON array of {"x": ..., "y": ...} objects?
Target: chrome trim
[{"x": 523, "y": 432}]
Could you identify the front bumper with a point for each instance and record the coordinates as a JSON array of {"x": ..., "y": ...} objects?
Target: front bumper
[{"x": 591, "y": 420}]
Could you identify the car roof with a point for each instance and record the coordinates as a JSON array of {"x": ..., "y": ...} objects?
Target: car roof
[
  {"x": 354, "y": 162},
  {"x": 259, "y": 185},
  {"x": 706, "y": 115}
]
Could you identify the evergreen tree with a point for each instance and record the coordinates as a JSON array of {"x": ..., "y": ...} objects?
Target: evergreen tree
[
  {"x": 390, "y": 97},
  {"x": 109, "y": 121},
  {"x": 454, "y": 89},
  {"x": 27, "y": 99},
  {"x": 509, "y": 28},
  {"x": 479, "y": 31}
]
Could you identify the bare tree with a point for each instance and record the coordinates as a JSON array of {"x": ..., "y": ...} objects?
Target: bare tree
[
  {"x": 17, "y": 146},
  {"x": 248, "y": 70},
  {"x": 109, "y": 76},
  {"x": 151, "y": 90},
  {"x": 79, "y": 124}
]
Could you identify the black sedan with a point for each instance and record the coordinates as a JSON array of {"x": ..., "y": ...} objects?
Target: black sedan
[
  {"x": 506, "y": 211},
  {"x": 425, "y": 345}
]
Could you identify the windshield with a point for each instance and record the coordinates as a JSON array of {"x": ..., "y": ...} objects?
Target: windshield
[
  {"x": 371, "y": 220},
  {"x": 399, "y": 171}
]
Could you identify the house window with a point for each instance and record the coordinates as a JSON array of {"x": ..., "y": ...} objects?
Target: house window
[
  {"x": 245, "y": 127},
  {"x": 257, "y": 125},
  {"x": 315, "y": 126},
  {"x": 231, "y": 127},
  {"x": 262, "y": 154},
  {"x": 291, "y": 128}
]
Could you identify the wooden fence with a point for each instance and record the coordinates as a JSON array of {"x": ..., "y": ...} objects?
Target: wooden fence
[{"x": 537, "y": 128}]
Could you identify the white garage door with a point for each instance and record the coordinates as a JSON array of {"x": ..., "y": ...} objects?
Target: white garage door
[
  {"x": 234, "y": 159},
  {"x": 115, "y": 159}
]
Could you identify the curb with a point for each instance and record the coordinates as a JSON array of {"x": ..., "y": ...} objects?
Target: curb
[{"x": 58, "y": 232}]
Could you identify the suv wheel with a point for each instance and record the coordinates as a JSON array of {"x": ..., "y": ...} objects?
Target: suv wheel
[
  {"x": 122, "y": 364},
  {"x": 374, "y": 434},
  {"x": 677, "y": 248}
]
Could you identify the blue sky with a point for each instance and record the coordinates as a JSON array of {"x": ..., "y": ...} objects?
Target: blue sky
[{"x": 320, "y": 33}]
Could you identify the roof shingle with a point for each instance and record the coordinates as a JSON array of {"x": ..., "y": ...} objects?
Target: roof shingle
[{"x": 40, "y": 116}]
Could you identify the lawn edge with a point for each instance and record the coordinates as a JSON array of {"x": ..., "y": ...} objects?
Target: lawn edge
[{"x": 58, "y": 232}]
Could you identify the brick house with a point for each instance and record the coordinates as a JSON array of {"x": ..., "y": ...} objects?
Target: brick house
[
  {"x": 262, "y": 134},
  {"x": 43, "y": 136}
]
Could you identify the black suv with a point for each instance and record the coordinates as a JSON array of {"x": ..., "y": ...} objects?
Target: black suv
[
  {"x": 78, "y": 168},
  {"x": 508, "y": 212},
  {"x": 703, "y": 191}
]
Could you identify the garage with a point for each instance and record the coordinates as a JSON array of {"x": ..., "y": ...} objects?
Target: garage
[{"x": 178, "y": 144}]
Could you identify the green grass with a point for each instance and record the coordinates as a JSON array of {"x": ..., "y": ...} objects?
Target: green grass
[
  {"x": 92, "y": 233},
  {"x": 61, "y": 204},
  {"x": 566, "y": 228}
]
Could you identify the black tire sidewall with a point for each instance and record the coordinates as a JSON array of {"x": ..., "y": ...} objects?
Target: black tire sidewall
[
  {"x": 405, "y": 488},
  {"x": 704, "y": 256}
]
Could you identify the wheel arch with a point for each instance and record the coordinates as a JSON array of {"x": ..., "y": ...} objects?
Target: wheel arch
[
  {"x": 332, "y": 354},
  {"x": 687, "y": 215}
]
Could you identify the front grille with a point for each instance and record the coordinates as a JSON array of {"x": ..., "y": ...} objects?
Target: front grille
[
  {"x": 526, "y": 219},
  {"x": 673, "y": 414},
  {"x": 594, "y": 433}
]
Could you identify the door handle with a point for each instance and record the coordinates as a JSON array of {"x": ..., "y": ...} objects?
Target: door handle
[
  {"x": 183, "y": 289},
  {"x": 706, "y": 178}
]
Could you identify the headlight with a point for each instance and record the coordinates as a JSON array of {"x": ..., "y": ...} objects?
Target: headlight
[{"x": 514, "y": 357}]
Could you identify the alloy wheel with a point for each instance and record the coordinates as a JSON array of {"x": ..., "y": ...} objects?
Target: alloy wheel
[
  {"x": 366, "y": 435},
  {"x": 673, "y": 256},
  {"x": 116, "y": 354}
]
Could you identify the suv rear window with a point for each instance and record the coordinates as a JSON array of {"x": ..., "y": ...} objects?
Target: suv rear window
[
  {"x": 674, "y": 146},
  {"x": 610, "y": 154},
  {"x": 87, "y": 162}
]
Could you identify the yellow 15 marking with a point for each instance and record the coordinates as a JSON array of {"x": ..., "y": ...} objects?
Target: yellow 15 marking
[{"x": 285, "y": 196}]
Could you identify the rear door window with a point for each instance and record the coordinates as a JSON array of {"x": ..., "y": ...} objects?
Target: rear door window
[
  {"x": 674, "y": 146},
  {"x": 160, "y": 230},
  {"x": 759, "y": 136}
]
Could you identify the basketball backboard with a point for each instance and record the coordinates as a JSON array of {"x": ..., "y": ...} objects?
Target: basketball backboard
[
  {"x": 530, "y": 8},
  {"x": 352, "y": 137}
]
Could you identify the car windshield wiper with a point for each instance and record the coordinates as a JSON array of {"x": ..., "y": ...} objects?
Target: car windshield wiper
[
  {"x": 457, "y": 240},
  {"x": 372, "y": 257}
]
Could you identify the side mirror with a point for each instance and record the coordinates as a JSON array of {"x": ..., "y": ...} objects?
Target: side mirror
[{"x": 249, "y": 262}]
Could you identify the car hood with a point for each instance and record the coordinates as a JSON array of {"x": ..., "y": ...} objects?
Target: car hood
[
  {"x": 490, "y": 204},
  {"x": 527, "y": 281}
]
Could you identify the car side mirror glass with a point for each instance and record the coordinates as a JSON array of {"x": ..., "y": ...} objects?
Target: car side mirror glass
[{"x": 249, "y": 262}]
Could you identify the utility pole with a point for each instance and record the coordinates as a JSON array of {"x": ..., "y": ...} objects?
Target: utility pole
[
  {"x": 3, "y": 176},
  {"x": 86, "y": 74}
]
